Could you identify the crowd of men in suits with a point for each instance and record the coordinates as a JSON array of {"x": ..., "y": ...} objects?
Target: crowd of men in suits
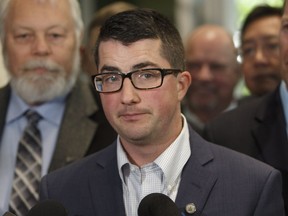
[{"x": 140, "y": 124}]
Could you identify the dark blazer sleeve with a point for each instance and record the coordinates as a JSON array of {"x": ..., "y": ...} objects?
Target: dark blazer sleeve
[
  {"x": 271, "y": 191},
  {"x": 232, "y": 129}
]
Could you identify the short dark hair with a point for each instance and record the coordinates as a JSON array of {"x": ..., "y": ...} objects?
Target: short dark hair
[
  {"x": 131, "y": 26},
  {"x": 259, "y": 12}
]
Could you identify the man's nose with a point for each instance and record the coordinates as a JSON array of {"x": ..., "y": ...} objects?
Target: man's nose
[
  {"x": 129, "y": 93},
  {"x": 205, "y": 73},
  {"x": 41, "y": 46}
]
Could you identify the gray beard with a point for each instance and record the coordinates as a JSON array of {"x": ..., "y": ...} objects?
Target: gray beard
[{"x": 39, "y": 88}]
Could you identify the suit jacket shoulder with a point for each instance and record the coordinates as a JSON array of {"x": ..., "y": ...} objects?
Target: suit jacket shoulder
[
  {"x": 219, "y": 181},
  {"x": 90, "y": 186},
  {"x": 253, "y": 128},
  {"x": 257, "y": 129}
]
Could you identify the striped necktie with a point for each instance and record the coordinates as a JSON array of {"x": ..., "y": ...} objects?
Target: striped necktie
[{"x": 28, "y": 167}]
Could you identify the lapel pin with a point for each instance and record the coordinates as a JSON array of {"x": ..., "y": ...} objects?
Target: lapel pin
[{"x": 190, "y": 208}]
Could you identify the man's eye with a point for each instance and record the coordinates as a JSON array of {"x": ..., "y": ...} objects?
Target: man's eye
[
  {"x": 22, "y": 37},
  {"x": 149, "y": 74},
  {"x": 218, "y": 67},
  {"x": 146, "y": 75},
  {"x": 55, "y": 36},
  {"x": 111, "y": 79},
  {"x": 272, "y": 46},
  {"x": 247, "y": 51}
]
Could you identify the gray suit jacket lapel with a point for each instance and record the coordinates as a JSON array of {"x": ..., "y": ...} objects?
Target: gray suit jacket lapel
[{"x": 77, "y": 129}]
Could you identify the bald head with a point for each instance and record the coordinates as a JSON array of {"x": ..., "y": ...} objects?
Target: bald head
[
  {"x": 212, "y": 61},
  {"x": 212, "y": 39}
]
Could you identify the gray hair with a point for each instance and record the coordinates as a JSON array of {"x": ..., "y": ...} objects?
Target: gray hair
[{"x": 75, "y": 12}]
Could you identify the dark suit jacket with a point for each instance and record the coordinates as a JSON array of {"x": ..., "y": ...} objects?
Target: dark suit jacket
[
  {"x": 84, "y": 128},
  {"x": 258, "y": 129},
  {"x": 220, "y": 182}
]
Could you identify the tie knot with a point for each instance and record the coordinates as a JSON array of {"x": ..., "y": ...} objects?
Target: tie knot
[{"x": 33, "y": 117}]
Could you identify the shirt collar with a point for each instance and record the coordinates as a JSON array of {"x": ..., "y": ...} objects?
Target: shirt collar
[
  {"x": 179, "y": 150},
  {"x": 50, "y": 111}
]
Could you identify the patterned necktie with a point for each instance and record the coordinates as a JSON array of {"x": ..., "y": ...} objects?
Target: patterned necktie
[{"x": 28, "y": 167}]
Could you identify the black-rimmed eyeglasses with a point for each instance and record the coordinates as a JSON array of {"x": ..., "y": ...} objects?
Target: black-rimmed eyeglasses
[{"x": 143, "y": 79}]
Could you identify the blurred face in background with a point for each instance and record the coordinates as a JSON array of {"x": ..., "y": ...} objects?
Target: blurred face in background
[
  {"x": 41, "y": 49},
  {"x": 260, "y": 55},
  {"x": 211, "y": 60}
]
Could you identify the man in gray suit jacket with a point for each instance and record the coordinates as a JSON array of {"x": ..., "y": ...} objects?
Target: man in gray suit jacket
[
  {"x": 156, "y": 151},
  {"x": 41, "y": 52}
]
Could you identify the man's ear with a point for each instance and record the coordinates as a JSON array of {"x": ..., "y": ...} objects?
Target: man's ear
[{"x": 184, "y": 81}]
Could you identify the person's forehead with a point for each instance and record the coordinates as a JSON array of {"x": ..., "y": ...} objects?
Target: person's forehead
[
  {"x": 212, "y": 51},
  {"x": 143, "y": 45},
  {"x": 124, "y": 56},
  {"x": 31, "y": 10},
  {"x": 210, "y": 40},
  {"x": 264, "y": 26}
]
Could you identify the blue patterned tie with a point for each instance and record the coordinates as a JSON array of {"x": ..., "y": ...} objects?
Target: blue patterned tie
[{"x": 28, "y": 168}]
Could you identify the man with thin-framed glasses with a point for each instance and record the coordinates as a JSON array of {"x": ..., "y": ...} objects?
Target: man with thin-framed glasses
[
  {"x": 260, "y": 49},
  {"x": 141, "y": 81}
]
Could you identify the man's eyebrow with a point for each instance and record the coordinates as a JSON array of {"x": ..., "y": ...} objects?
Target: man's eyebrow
[
  {"x": 109, "y": 68},
  {"x": 144, "y": 65}
]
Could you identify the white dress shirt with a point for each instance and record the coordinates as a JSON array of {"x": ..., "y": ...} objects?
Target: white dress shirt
[{"x": 161, "y": 176}]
